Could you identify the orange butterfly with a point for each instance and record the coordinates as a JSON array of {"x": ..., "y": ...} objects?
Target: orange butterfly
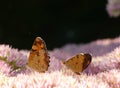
[
  {"x": 78, "y": 63},
  {"x": 38, "y": 58}
]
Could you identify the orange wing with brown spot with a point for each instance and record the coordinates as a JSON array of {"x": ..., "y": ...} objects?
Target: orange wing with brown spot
[
  {"x": 78, "y": 63},
  {"x": 38, "y": 58}
]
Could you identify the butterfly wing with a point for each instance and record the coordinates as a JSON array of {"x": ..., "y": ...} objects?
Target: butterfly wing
[
  {"x": 87, "y": 60},
  {"x": 78, "y": 63},
  {"x": 38, "y": 58}
]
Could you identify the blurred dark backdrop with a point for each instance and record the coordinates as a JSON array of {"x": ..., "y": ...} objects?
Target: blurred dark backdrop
[{"x": 57, "y": 22}]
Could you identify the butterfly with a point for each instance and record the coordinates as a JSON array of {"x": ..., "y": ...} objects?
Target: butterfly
[
  {"x": 38, "y": 57},
  {"x": 78, "y": 62}
]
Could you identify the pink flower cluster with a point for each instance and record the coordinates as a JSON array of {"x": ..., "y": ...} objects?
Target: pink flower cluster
[
  {"x": 11, "y": 60},
  {"x": 103, "y": 72},
  {"x": 113, "y": 8}
]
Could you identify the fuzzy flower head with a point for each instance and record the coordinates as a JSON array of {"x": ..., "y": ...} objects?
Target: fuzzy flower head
[
  {"x": 11, "y": 60},
  {"x": 113, "y": 8}
]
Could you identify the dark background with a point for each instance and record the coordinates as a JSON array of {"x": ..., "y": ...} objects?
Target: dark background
[{"x": 57, "y": 22}]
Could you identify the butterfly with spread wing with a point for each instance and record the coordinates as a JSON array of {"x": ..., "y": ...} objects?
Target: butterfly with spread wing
[{"x": 78, "y": 62}]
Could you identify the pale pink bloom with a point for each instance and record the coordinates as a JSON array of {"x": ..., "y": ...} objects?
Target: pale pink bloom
[
  {"x": 113, "y": 8},
  {"x": 103, "y": 72}
]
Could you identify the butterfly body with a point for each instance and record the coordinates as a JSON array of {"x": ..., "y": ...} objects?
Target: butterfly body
[
  {"x": 38, "y": 58},
  {"x": 78, "y": 63}
]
